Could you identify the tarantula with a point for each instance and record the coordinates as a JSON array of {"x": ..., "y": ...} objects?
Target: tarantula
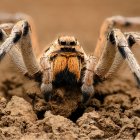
[{"x": 64, "y": 63}]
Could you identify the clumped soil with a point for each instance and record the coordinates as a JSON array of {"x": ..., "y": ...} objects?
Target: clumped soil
[{"x": 113, "y": 113}]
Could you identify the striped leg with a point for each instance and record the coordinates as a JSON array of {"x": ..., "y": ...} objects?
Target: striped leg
[
  {"x": 20, "y": 35},
  {"x": 105, "y": 53},
  {"x": 100, "y": 69},
  {"x": 46, "y": 86},
  {"x": 11, "y": 19},
  {"x": 14, "y": 53},
  {"x": 108, "y": 25}
]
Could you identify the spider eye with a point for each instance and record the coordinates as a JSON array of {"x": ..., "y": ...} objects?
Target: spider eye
[
  {"x": 63, "y": 43},
  {"x": 73, "y": 43}
]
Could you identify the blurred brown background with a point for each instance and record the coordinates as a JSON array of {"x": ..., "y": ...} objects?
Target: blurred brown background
[{"x": 81, "y": 18}]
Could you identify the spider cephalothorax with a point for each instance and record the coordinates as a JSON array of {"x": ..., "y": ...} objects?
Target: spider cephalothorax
[{"x": 64, "y": 61}]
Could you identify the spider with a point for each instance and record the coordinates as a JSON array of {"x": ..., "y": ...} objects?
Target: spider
[{"x": 64, "y": 63}]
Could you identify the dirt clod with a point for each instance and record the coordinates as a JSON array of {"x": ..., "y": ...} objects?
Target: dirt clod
[{"x": 108, "y": 116}]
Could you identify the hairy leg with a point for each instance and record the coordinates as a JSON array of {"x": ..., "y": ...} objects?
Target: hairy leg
[
  {"x": 119, "y": 60},
  {"x": 46, "y": 86},
  {"x": 18, "y": 45},
  {"x": 11, "y": 19},
  {"x": 14, "y": 53},
  {"x": 87, "y": 86},
  {"x": 114, "y": 40},
  {"x": 20, "y": 35},
  {"x": 105, "y": 55},
  {"x": 108, "y": 25},
  {"x": 133, "y": 38}
]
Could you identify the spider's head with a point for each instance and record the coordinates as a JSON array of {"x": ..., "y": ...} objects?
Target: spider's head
[
  {"x": 64, "y": 45},
  {"x": 68, "y": 44}
]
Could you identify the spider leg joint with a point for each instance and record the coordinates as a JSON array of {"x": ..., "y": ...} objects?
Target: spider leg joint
[
  {"x": 47, "y": 90},
  {"x": 88, "y": 92}
]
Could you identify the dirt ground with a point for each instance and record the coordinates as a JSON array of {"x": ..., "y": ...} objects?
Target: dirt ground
[{"x": 114, "y": 111}]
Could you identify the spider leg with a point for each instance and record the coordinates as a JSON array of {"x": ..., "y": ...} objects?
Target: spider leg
[
  {"x": 11, "y": 19},
  {"x": 123, "y": 44},
  {"x": 14, "y": 53},
  {"x": 20, "y": 35},
  {"x": 132, "y": 38},
  {"x": 3, "y": 36},
  {"x": 115, "y": 38},
  {"x": 15, "y": 46},
  {"x": 26, "y": 47},
  {"x": 96, "y": 71},
  {"x": 108, "y": 25},
  {"x": 118, "y": 61},
  {"x": 105, "y": 53},
  {"x": 87, "y": 86},
  {"x": 46, "y": 86},
  {"x": 7, "y": 27}
]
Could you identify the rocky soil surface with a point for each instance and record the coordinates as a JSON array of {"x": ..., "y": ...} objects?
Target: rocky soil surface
[{"x": 113, "y": 113}]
